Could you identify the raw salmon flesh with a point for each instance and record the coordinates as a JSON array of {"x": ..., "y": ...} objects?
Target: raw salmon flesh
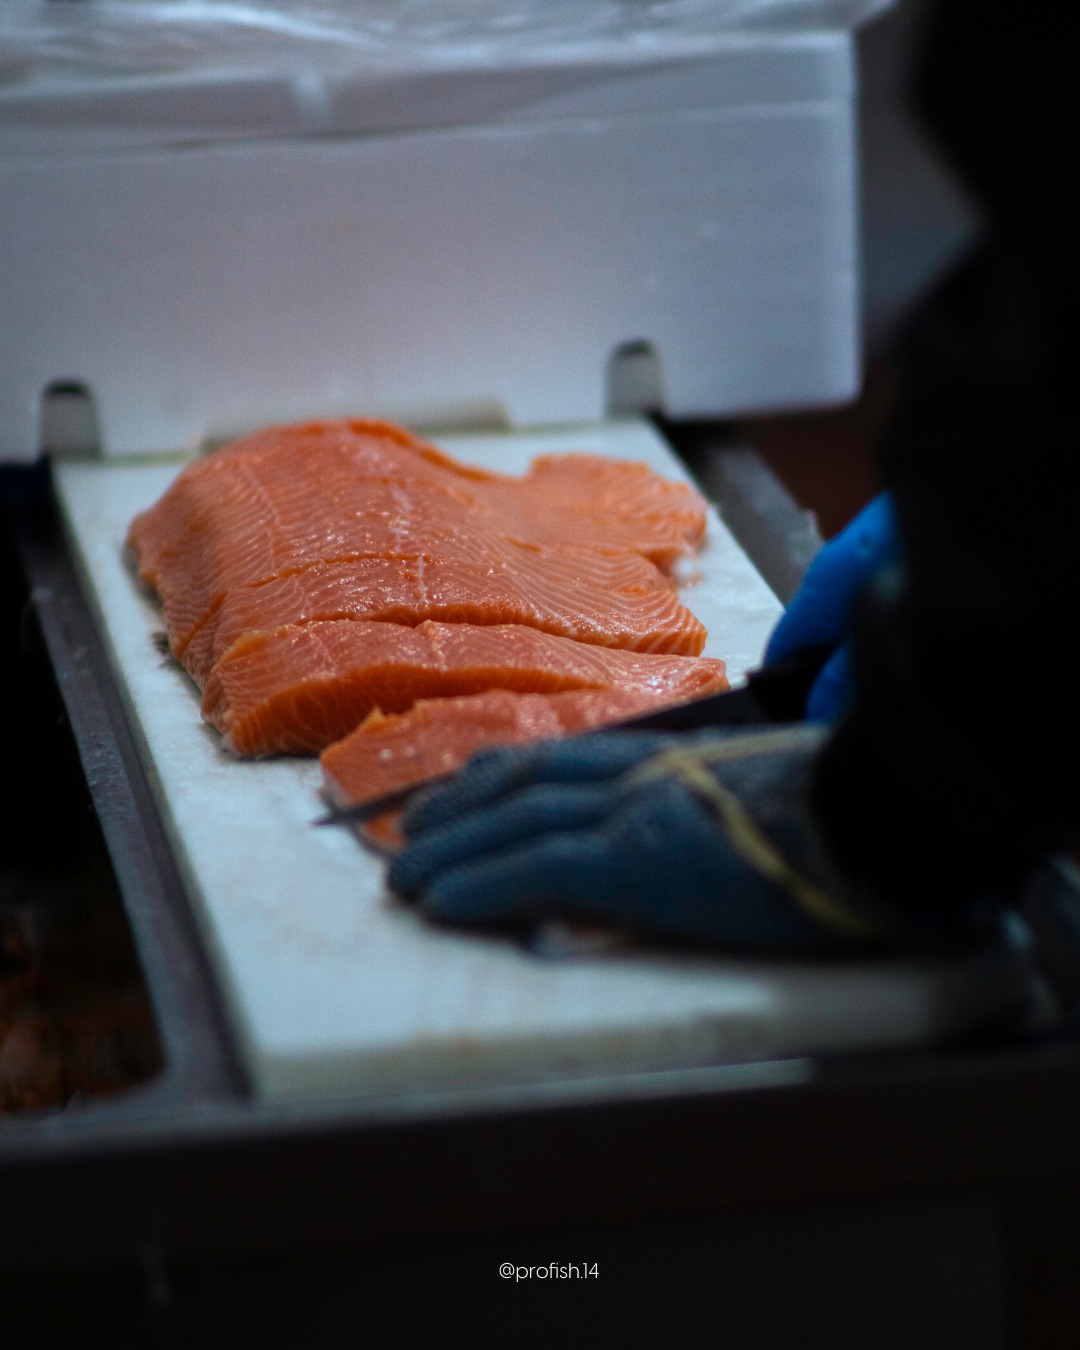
[
  {"x": 344, "y": 582},
  {"x": 435, "y": 736}
]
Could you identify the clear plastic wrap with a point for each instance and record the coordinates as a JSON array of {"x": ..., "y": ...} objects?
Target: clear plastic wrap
[{"x": 45, "y": 42}]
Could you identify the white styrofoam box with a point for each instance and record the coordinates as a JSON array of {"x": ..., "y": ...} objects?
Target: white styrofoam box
[
  {"x": 458, "y": 249},
  {"x": 333, "y": 988}
]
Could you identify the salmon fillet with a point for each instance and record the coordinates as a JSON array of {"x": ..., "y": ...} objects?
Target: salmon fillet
[
  {"x": 312, "y": 574},
  {"x": 562, "y": 499},
  {"x": 611, "y": 503},
  {"x": 612, "y": 600},
  {"x": 249, "y": 527},
  {"x": 289, "y": 499},
  {"x": 299, "y": 689},
  {"x": 437, "y": 736}
]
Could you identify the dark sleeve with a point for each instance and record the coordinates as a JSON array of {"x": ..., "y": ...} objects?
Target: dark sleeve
[{"x": 959, "y": 763}]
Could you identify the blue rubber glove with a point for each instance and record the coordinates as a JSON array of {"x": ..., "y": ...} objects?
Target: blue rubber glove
[
  {"x": 820, "y": 612},
  {"x": 705, "y": 837}
]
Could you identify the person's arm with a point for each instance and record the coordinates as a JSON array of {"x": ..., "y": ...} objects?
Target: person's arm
[{"x": 954, "y": 768}]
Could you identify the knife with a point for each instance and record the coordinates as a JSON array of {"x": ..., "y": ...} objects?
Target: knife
[{"x": 773, "y": 694}]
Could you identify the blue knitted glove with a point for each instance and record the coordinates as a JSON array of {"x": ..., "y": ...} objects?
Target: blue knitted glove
[
  {"x": 820, "y": 612},
  {"x": 705, "y": 837}
]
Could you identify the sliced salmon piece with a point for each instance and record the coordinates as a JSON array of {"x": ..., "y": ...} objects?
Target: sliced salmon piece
[
  {"x": 437, "y": 736},
  {"x": 563, "y": 498},
  {"x": 300, "y": 688},
  {"x": 612, "y": 600},
  {"x": 611, "y": 503},
  {"x": 257, "y": 524}
]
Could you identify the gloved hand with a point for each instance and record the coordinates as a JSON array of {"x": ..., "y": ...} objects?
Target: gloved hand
[
  {"x": 705, "y": 837},
  {"x": 820, "y": 612}
]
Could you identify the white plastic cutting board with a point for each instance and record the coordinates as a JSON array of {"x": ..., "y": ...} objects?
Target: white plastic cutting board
[{"x": 335, "y": 989}]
